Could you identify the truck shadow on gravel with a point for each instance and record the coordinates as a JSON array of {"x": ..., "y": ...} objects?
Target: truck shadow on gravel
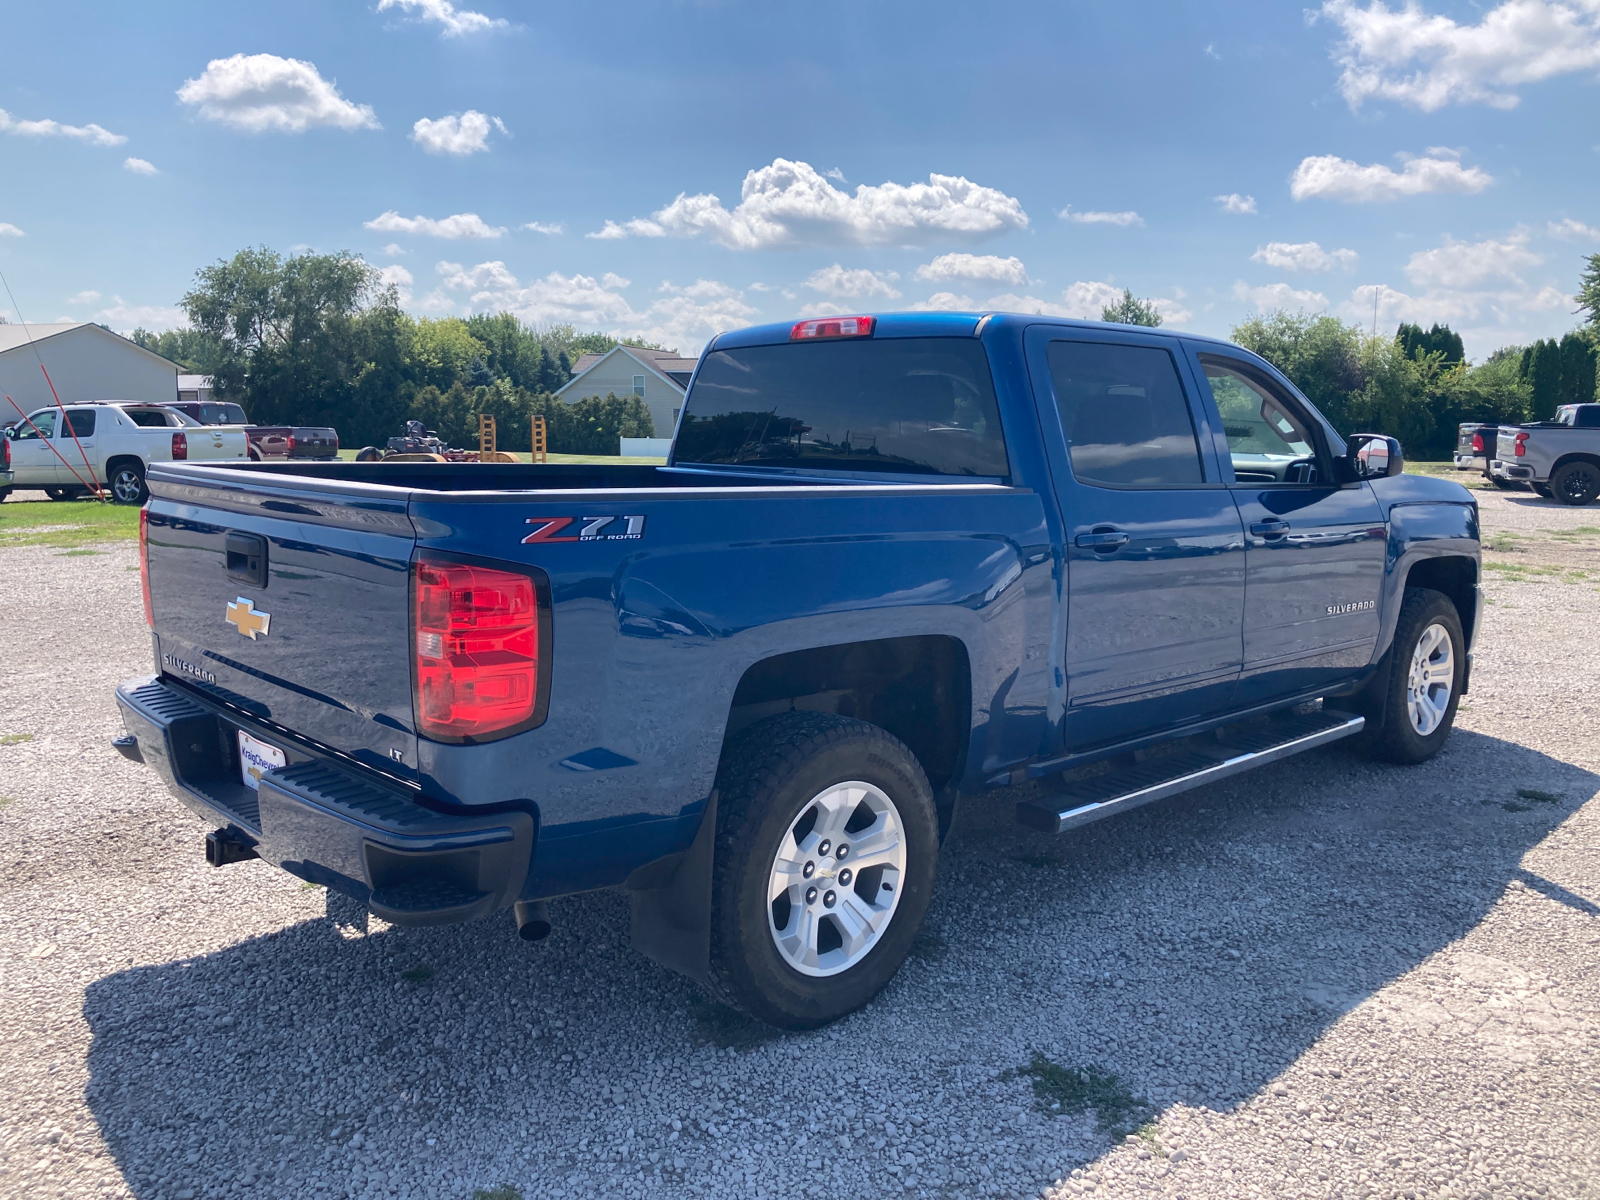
[{"x": 1191, "y": 951}]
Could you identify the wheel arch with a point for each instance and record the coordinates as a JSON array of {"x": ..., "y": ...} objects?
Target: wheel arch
[
  {"x": 918, "y": 687},
  {"x": 117, "y": 461},
  {"x": 1456, "y": 576}
]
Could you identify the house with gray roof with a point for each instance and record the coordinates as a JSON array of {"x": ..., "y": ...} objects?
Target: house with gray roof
[{"x": 658, "y": 377}]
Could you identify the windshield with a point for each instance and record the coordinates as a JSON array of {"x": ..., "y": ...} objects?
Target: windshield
[{"x": 893, "y": 405}]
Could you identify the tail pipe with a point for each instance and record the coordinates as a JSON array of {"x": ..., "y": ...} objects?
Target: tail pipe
[{"x": 533, "y": 920}]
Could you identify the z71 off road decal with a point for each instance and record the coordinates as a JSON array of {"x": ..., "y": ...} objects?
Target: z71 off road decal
[{"x": 591, "y": 529}]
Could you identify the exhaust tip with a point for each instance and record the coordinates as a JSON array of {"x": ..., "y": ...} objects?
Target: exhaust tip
[{"x": 533, "y": 920}]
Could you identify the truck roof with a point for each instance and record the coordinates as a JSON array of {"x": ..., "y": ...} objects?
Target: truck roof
[{"x": 941, "y": 324}]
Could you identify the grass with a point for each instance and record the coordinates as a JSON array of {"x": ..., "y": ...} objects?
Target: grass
[
  {"x": 15, "y": 739},
  {"x": 66, "y": 524},
  {"x": 6, "y": 801},
  {"x": 1058, "y": 1089},
  {"x": 1447, "y": 470},
  {"x": 601, "y": 459},
  {"x": 723, "y": 1026},
  {"x": 417, "y": 975}
]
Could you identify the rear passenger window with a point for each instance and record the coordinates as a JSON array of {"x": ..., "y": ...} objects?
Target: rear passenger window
[
  {"x": 1124, "y": 415},
  {"x": 80, "y": 422},
  {"x": 147, "y": 418}
]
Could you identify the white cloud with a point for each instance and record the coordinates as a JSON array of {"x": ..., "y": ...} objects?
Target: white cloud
[
  {"x": 1303, "y": 256},
  {"x": 453, "y": 21},
  {"x": 400, "y": 278},
  {"x": 139, "y": 166},
  {"x": 125, "y": 317},
  {"x": 1279, "y": 295},
  {"x": 1100, "y": 218},
  {"x": 1333, "y": 178},
  {"x": 1233, "y": 202},
  {"x": 684, "y": 317},
  {"x": 95, "y": 135},
  {"x": 790, "y": 204},
  {"x": 1082, "y": 301},
  {"x": 840, "y": 283},
  {"x": 466, "y": 134},
  {"x": 1569, "y": 230},
  {"x": 88, "y": 297},
  {"x": 258, "y": 92},
  {"x": 460, "y": 225},
  {"x": 1472, "y": 264},
  {"x": 824, "y": 308},
  {"x": 541, "y": 227},
  {"x": 1172, "y": 311},
  {"x": 983, "y": 268},
  {"x": 1505, "y": 308},
  {"x": 945, "y": 302},
  {"x": 1428, "y": 60},
  {"x": 394, "y": 250},
  {"x": 7, "y": 229}
]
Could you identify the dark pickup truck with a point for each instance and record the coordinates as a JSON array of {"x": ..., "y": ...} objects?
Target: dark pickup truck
[
  {"x": 893, "y": 563},
  {"x": 266, "y": 441}
]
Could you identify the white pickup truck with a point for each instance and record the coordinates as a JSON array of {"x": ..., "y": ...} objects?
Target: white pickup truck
[{"x": 109, "y": 444}]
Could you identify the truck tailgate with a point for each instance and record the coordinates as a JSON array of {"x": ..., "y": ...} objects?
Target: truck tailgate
[{"x": 290, "y": 603}]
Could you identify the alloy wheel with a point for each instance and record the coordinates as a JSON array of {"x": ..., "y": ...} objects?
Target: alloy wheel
[
  {"x": 1432, "y": 679},
  {"x": 835, "y": 879}
]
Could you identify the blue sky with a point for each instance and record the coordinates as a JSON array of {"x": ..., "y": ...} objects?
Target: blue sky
[{"x": 679, "y": 168}]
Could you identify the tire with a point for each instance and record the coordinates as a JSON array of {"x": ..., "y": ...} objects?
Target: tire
[
  {"x": 5, "y": 494},
  {"x": 127, "y": 484},
  {"x": 369, "y": 454},
  {"x": 1576, "y": 483},
  {"x": 1410, "y": 730},
  {"x": 1505, "y": 485},
  {"x": 1542, "y": 489},
  {"x": 774, "y": 777},
  {"x": 63, "y": 493}
]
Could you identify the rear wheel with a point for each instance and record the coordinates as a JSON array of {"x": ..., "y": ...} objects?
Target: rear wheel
[
  {"x": 63, "y": 493},
  {"x": 4, "y": 493},
  {"x": 127, "y": 484},
  {"x": 1427, "y": 665},
  {"x": 1576, "y": 483},
  {"x": 369, "y": 454},
  {"x": 826, "y": 845}
]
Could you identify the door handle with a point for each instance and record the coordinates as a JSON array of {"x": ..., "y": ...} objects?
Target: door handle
[
  {"x": 1270, "y": 529},
  {"x": 1103, "y": 540}
]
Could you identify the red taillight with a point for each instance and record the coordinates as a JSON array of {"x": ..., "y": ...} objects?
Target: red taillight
[
  {"x": 144, "y": 566},
  {"x": 288, "y": 444},
  {"x": 180, "y": 447},
  {"x": 833, "y": 327},
  {"x": 1477, "y": 442},
  {"x": 1521, "y": 449},
  {"x": 476, "y": 638}
]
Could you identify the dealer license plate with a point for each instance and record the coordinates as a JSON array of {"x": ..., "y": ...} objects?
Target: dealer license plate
[{"x": 256, "y": 757}]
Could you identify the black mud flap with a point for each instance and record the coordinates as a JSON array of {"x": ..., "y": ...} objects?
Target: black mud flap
[{"x": 671, "y": 905}]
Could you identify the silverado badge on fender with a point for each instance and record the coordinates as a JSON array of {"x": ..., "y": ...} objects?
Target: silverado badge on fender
[
  {"x": 242, "y": 615},
  {"x": 593, "y": 529}
]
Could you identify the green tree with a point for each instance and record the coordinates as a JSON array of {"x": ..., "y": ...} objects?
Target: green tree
[
  {"x": 286, "y": 330},
  {"x": 1439, "y": 340},
  {"x": 1577, "y": 370},
  {"x": 1589, "y": 290},
  {"x": 1541, "y": 367},
  {"x": 511, "y": 349},
  {"x": 197, "y": 353},
  {"x": 442, "y": 351},
  {"x": 1321, "y": 355},
  {"x": 1130, "y": 310}
]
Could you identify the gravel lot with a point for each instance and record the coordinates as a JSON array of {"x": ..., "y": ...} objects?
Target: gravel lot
[{"x": 1325, "y": 978}]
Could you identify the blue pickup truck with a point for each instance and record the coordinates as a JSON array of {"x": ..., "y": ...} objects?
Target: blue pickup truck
[{"x": 893, "y": 562}]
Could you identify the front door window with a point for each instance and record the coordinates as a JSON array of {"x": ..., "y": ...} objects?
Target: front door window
[{"x": 39, "y": 425}]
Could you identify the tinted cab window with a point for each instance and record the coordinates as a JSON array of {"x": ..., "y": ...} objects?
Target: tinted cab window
[
  {"x": 149, "y": 418},
  {"x": 1124, "y": 415},
  {"x": 894, "y": 405},
  {"x": 80, "y": 423}
]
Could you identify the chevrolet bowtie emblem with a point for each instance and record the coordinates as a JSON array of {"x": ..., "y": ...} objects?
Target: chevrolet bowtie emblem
[{"x": 242, "y": 615}]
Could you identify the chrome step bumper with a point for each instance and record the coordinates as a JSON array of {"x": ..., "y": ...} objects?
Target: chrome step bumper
[{"x": 1240, "y": 749}]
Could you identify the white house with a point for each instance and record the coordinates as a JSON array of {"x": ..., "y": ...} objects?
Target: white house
[
  {"x": 658, "y": 377},
  {"x": 86, "y": 362},
  {"x": 195, "y": 389}
]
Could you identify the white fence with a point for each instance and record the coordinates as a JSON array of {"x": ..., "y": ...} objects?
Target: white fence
[{"x": 646, "y": 447}]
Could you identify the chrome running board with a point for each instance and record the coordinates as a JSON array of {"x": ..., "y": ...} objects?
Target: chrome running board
[{"x": 1238, "y": 749}]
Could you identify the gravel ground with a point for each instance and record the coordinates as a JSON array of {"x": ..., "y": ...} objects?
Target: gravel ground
[{"x": 1322, "y": 979}]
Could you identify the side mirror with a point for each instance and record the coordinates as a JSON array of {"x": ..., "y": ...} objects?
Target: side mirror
[{"x": 1372, "y": 456}]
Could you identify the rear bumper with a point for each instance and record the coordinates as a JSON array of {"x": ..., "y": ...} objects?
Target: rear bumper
[
  {"x": 1469, "y": 462},
  {"x": 326, "y": 823},
  {"x": 1501, "y": 469}
]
